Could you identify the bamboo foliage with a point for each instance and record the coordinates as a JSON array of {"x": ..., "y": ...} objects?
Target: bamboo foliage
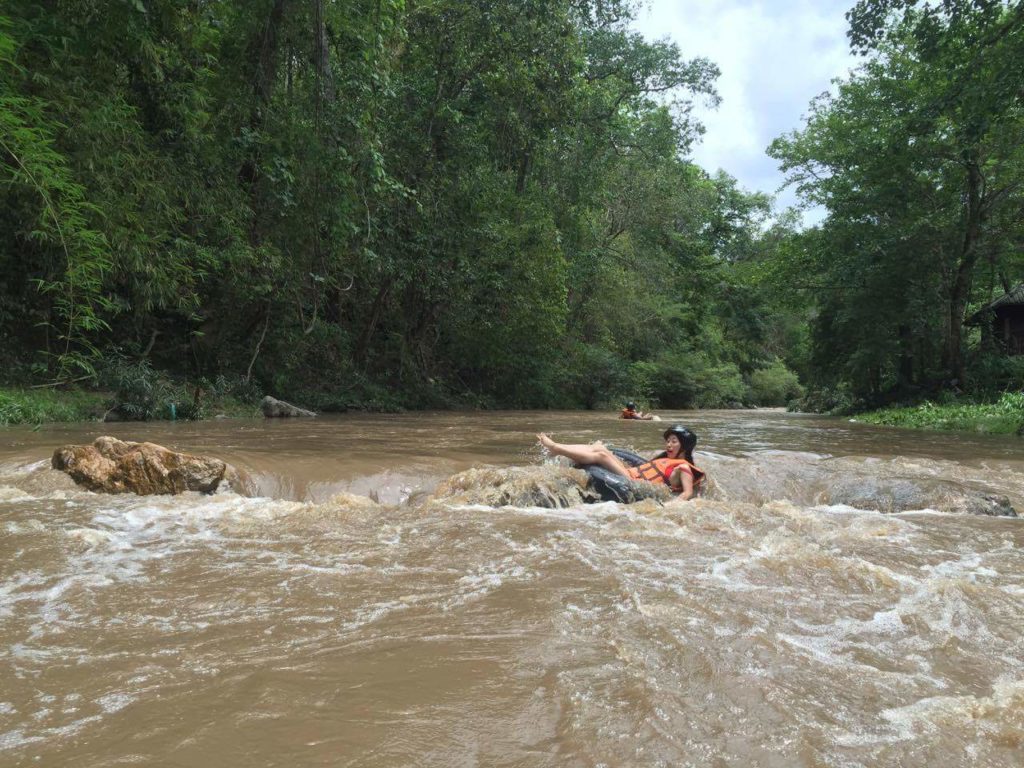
[{"x": 74, "y": 280}]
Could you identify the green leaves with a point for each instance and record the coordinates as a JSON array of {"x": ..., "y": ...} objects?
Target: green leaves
[
  {"x": 449, "y": 199},
  {"x": 74, "y": 281},
  {"x": 911, "y": 159}
]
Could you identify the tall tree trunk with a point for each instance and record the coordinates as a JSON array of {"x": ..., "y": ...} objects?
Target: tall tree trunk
[
  {"x": 263, "y": 71},
  {"x": 322, "y": 54},
  {"x": 961, "y": 288},
  {"x": 906, "y": 370},
  {"x": 362, "y": 351},
  {"x": 523, "y": 171}
]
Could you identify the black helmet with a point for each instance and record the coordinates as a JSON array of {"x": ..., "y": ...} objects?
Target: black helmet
[
  {"x": 687, "y": 439},
  {"x": 631, "y": 405}
]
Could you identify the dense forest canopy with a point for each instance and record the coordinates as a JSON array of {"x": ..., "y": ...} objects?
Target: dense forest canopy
[
  {"x": 919, "y": 160},
  {"x": 396, "y": 203}
]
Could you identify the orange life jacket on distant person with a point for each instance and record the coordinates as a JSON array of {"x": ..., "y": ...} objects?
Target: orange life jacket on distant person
[
  {"x": 628, "y": 413},
  {"x": 660, "y": 470}
]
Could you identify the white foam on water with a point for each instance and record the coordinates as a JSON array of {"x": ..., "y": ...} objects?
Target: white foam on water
[
  {"x": 18, "y": 738},
  {"x": 968, "y": 566},
  {"x": 939, "y": 713},
  {"x": 882, "y": 623},
  {"x": 114, "y": 702},
  {"x": 485, "y": 580},
  {"x": 11, "y": 495},
  {"x": 842, "y": 509},
  {"x": 22, "y": 527},
  {"x": 340, "y": 569},
  {"x": 308, "y": 619},
  {"x": 822, "y": 648},
  {"x": 94, "y": 537},
  {"x": 524, "y": 548},
  {"x": 478, "y": 582},
  {"x": 22, "y": 468},
  {"x": 727, "y": 572},
  {"x": 586, "y": 513},
  {"x": 124, "y": 537},
  {"x": 370, "y": 614},
  {"x": 14, "y": 590},
  {"x": 781, "y": 544}
]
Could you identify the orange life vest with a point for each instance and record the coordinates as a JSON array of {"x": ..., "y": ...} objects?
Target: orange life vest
[
  {"x": 660, "y": 470},
  {"x": 627, "y": 414}
]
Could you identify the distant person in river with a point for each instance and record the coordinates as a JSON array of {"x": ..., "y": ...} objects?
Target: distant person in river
[
  {"x": 630, "y": 412},
  {"x": 674, "y": 466}
]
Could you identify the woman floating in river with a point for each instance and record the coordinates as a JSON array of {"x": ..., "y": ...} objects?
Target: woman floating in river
[
  {"x": 630, "y": 412},
  {"x": 673, "y": 466}
]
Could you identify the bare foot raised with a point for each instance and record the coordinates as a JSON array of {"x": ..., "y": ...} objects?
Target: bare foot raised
[{"x": 546, "y": 441}]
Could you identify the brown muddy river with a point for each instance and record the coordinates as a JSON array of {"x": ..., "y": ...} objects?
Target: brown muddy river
[{"x": 337, "y": 615}]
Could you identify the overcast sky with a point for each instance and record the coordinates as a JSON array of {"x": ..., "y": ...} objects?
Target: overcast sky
[{"x": 775, "y": 56}]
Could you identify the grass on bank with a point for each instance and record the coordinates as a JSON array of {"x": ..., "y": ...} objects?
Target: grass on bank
[
  {"x": 44, "y": 406},
  {"x": 1006, "y": 416},
  {"x": 39, "y": 406}
]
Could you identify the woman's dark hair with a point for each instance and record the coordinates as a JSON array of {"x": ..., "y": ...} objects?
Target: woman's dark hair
[{"x": 687, "y": 440}]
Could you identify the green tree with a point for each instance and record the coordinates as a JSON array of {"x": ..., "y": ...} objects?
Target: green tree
[{"x": 916, "y": 158}]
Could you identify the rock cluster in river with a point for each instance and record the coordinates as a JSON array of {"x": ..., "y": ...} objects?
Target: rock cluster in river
[
  {"x": 273, "y": 408},
  {"x": 110, "y": 465}
]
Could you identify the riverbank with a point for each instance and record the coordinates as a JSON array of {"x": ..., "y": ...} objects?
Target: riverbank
[
  {"x": 1004, "y": 417},
  {"x": 41, "y": 406},
  {"x": 19, "y": 405}
]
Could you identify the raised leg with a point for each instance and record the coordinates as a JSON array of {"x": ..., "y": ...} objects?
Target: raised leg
[{"x": 593, "y": 453}]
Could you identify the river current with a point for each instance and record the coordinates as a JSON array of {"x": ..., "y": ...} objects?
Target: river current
[{"x": 831, "y": 601}]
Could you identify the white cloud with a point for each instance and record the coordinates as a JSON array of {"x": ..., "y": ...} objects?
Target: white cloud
[{"x": 775, "y": 56}]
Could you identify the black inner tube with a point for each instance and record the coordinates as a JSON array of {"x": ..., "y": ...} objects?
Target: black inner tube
[{"x": 611, "y": 486}]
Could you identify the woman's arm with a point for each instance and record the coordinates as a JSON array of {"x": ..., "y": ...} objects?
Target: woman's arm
[{"x": 682, "y": 478}]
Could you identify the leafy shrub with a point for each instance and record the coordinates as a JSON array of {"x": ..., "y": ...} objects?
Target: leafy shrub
[
  {"x": 356, "y": 394},
  {"x": 248, "y": 392},
  {"x": 835, "y": 400},
  {"x": 596, "y": 375},
  {"x": 775, "y": 385},
  {"x": 990, "y": 374},
  {"x": 720, "y": 386},
  {"x": 142, "y": 393},
  {"x": 1004, "y": 416},
  {"x": 692, "y": 380},
  {"x": 641, "y": 376}
]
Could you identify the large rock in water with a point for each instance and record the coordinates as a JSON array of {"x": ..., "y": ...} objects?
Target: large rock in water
[
  {"x": 549, "y": 486},
  {"x": 110, "y": 465},
  {"x": 274, "y": 408}
]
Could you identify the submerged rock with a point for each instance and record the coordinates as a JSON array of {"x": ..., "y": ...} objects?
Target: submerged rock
[
  {"x": 110, "y": 465},
  {"x": 552, "y": 486},
  {"x": 870, "y": 484},
  {"x": 901, "y": 495},
  {"x": 274, "y": 408},
  {"x": 547, "y": 486}
]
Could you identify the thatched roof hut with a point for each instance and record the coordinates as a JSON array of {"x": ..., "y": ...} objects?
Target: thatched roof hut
[{"x": 1004, "y": 319}]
